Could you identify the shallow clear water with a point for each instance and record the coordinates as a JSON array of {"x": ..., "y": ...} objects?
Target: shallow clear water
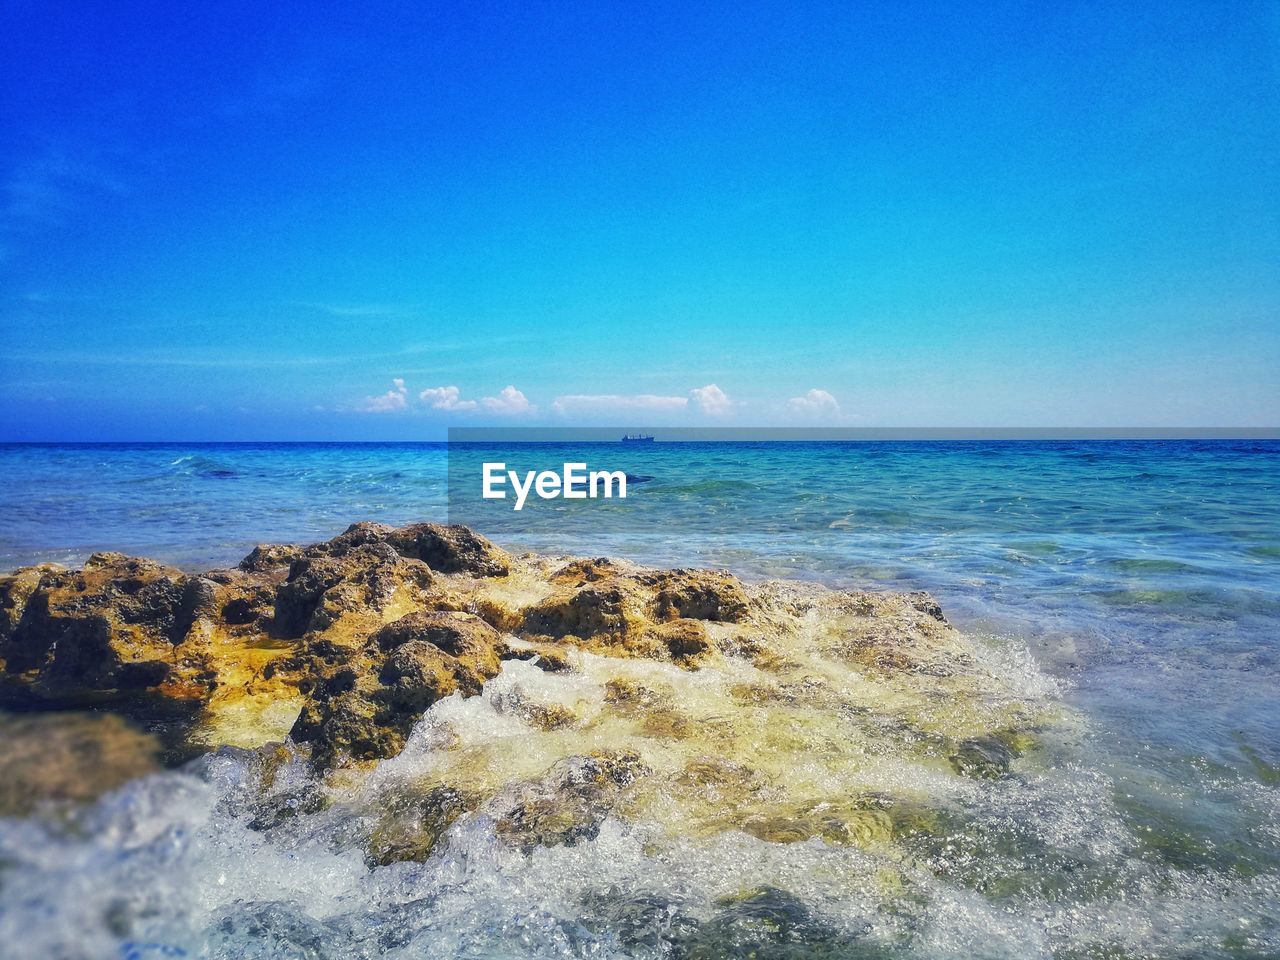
[{"x": 1142, "y": 578}]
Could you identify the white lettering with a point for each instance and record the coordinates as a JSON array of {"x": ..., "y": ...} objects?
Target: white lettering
[
  {"x": 548, "y": 485},
  {"x": 574, "y": 477},
  {"x": 521, "y": 492},
  {"x": 609, "y": 478},
  {"x": 574, "y": 482},
  {"x": 493, "y": 475}
]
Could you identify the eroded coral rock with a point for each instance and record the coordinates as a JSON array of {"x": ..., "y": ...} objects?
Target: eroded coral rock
[
  {"x": 630, "y": 611},
  {"x": 450, "y": 549},
  {"x": 102, "y": 633},
  {"x": 365, "y": 706},
  {"x": 157, "y": 644},
  {"x": 345, "y": 644}
]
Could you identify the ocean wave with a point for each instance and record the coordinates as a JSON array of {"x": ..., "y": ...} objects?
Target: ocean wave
[
  {"x": 249, "y": 854},
  {"x": 196, "y": 465}
]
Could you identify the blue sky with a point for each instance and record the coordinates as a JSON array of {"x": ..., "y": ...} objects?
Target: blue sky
[{"x": 237, "y": 221}]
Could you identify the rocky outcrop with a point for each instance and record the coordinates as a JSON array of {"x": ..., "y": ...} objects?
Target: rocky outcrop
[
  {"x": 364, "y": 705},
  {"x": 364, "y": 631},
  {"x": 398, "y": 690},
  {"x": 618, "y": 609},
  {"x": 171, "y": 650},
  {"x": 105, "y": 633},
  {"x": 343, "y": 645}
]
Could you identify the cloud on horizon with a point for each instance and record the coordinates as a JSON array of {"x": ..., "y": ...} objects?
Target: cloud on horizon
[
  {"x": 445, "y": 398},
  {"x": 395, "y": 399},
  {"x": 711, "y": 400},
  {"x": 815, "y": 403},
  {"x": 509, "y": 401}
]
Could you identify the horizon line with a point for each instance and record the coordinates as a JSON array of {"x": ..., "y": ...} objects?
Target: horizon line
[{"x": 738, "y": 434}]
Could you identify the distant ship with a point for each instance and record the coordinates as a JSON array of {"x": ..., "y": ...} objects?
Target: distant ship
[{"x": 637, "y": 438}]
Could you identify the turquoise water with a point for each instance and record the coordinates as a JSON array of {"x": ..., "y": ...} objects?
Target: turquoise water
[{"x": 1142, "y": 578}]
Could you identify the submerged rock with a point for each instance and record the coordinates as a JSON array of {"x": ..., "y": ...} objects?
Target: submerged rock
[
  {"x": 569, "y": 803},
  {"x": 989, "y": 757},
  {"x": 860, "y": 822},
  {"x": 767, "y": 922},
  {"x": 68, "y": 758},
  {"x": 410, "y": 826}
]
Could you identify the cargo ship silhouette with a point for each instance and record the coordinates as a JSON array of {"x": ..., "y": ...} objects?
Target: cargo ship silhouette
[{"x": 637, "y": 438}]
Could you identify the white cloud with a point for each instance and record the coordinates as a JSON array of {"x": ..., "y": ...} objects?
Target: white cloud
[
  {"x": 394, "y": 399},
  {"x": 815, "y": 403},
  {"x": 711, "y": 400},
  {"x": 445, "y": 398},
  {"x": 617, "y": 402},
  {"x": 509, "y": 401}
]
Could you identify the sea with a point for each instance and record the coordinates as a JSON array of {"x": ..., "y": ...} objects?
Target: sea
[{"x": 1134, "y": 584}]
